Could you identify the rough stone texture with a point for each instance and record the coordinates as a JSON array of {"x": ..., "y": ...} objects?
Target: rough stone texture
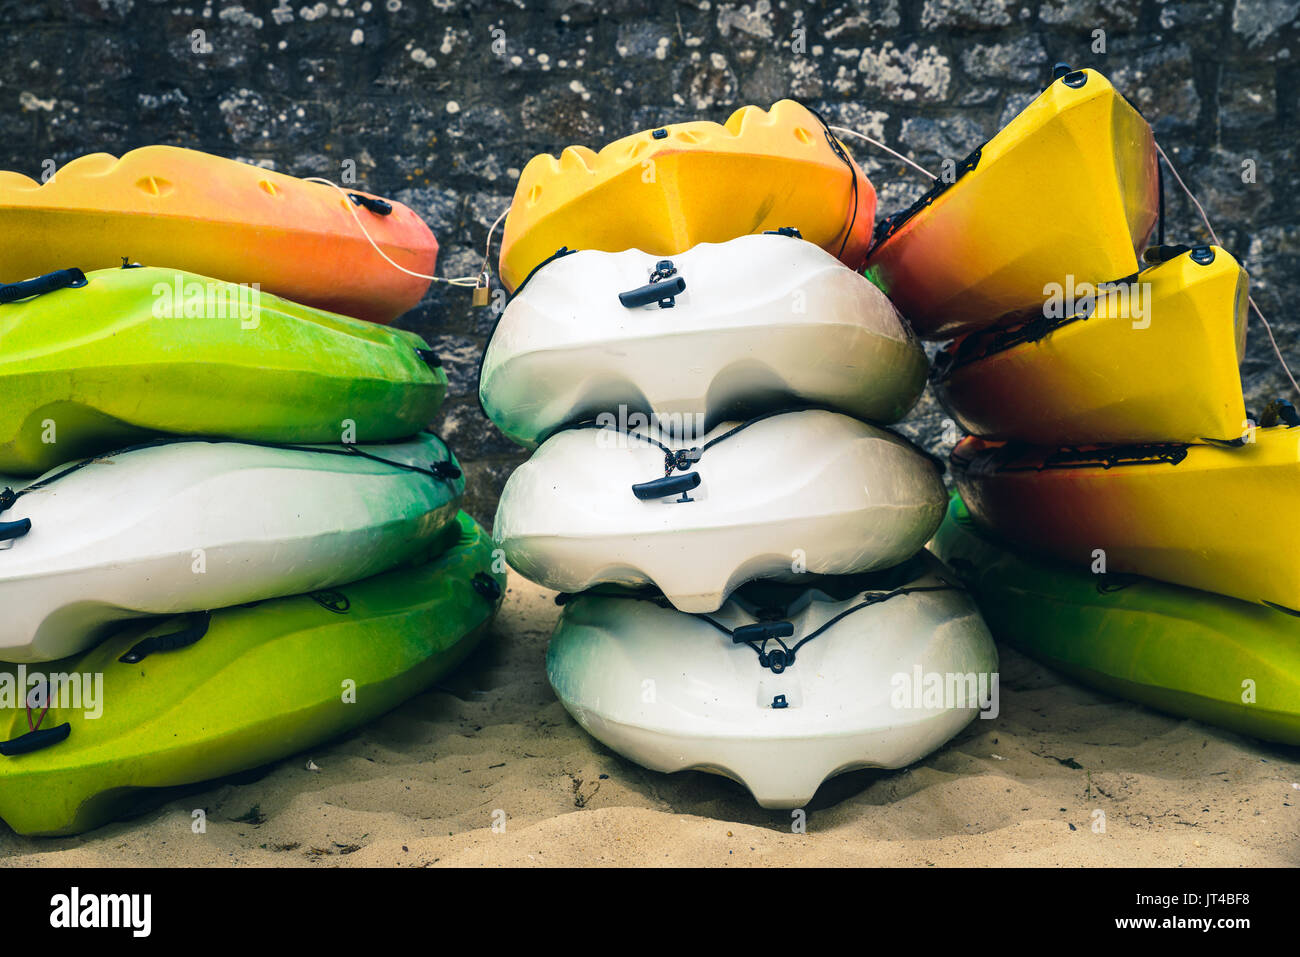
[{"x": 442, "y": 103}]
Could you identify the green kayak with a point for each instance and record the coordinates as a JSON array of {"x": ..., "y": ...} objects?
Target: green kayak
[
  {"x": 94, "y": 362},
  {"x": 178, "y": 701},
  {"x": 1190, "y": 653}
]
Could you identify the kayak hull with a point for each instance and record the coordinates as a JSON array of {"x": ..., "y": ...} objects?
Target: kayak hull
[
  {"x": 1159, "y": 367},
  {"x": 263, "y": 683},
  {"x": 667, "y": 190},
  {"x": 763, "y": 322},
  {"x": 620, "y": 665},
  {"x": 1079, "y": 157},
  {"x": 138, "y": 352},
  {"x": 1189, "y": 653},
  {"x": 216, "y": 217},
  {"x": 1222, "y": 520},
  {"x": 809, "y": 491},
  {"x": 135, "y": 533}
]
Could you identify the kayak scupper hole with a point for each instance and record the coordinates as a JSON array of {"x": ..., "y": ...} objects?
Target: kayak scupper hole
[
  {"x": 534, "y": 195},
  {"x": 802, "y": 135},
  {"x": 268, "y": 187}
]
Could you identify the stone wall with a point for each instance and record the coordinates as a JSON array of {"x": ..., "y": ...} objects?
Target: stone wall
[{"x": 441, "y": 102}]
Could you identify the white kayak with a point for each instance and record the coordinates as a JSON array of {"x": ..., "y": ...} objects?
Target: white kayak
[
  {"x": 188, "y": 526},
  {"x": 781, "y": 495},
  {"x": 721, "y": 331},
  {"x": 786, "y": 685}
]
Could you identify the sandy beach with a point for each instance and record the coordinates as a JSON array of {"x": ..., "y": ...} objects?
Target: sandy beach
[{"x": 419, "y": 788}]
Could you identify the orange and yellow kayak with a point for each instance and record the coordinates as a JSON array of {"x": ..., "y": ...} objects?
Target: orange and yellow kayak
[
  {"x": 1067, "y": 191},
  {"x": 179, "y": 208},
  {"x": 663, "y": 191},
  {"x": 1154, "y": 360},
  {"x": 1221, "y": 519}
]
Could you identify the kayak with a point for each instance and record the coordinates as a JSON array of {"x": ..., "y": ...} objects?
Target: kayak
[
  {"x": 118, "y": 356},
  {"x": 1067, "y": 191},
  {"x": 1161, "y": 366},
  {"x": 186, "y": 526},
  {"x": 780, "y": 495},
  {"x": 1187, "y": 652},
  {"x": 668, "y": 189},
  {"x": 723, "y": 692},
  {"x": 240, "y": 688},
  {"x": 1221, "y": 519},
  {"x": 729, "y": 330},
  {"x": 167, "y": 206}
]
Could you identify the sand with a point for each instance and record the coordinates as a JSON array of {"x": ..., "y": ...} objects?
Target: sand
[{"x": 419, "y": 788}]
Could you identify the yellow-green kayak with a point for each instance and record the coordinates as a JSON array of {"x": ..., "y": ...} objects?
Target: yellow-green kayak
[
  {"x": 91, "y": 362},
  {"x": 183, "y": 700},
  {"x": 1190, "y": 653}
]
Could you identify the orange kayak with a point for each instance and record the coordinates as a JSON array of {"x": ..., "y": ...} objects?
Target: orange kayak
[
  {"x": 663, "y": 191},
  {"x": 179, "y": 208}
]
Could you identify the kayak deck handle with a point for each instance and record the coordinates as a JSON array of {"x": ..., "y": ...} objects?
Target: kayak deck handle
[
  {"x": 376, "y": 206},
  {"x": 197, "y": 628},
  {"x": 35, "y": 740},
  {"x": 658, "y": 289},
  {"x": 762, "y": 631},
  {"x": 668, "y": 485},
  {"x": 11, "y": 530},
  {"x": 39, "y": 286}
]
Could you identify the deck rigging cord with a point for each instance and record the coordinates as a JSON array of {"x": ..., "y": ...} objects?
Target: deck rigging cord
[
  {"x": 481, "y": 281},
  {"x": 1214, "y": 236}
]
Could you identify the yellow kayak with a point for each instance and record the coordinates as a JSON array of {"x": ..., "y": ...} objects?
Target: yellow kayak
[
  {"x": 1069, "y": 188},
  {"x": 1156, "y": 361},
  {"x": 1221, "y": 519},
  {"x": 663, "y": 191}
]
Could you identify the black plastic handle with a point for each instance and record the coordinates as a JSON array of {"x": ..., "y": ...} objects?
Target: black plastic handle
[
  {"x": 12, "y": 530},
  {"x": 377, "y": 206},
  {"x": 60, "y": 279},
  {"x": 35, "y": 740},
  {"x": 197, "y": 628},
  {"x": 430, "y": 357},
  {"x": 664, "y": 292},
  {"x": 668, "y": 485},
  {"x": 762, "y": 631}
]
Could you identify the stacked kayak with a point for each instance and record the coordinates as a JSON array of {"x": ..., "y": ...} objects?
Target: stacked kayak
[
  {"x": 220, "y": 508},
  {"x": 167, "y": 206},
  {"x": 119, "y": 356},
  {"x": 788, "y": 685},
  {"x": 737, "y": 537},
  {"x": 1068, "y": 188},
  {"x": 262, "y": 682},
  {"x": 1122, "y": 516},
  {"x": 758, "y": 323},
  {"x": 1153, "y": 361},
  {"x": 1187, "y": 652},
  {"x": 668, "y": 189},
  {"x": 1223, "y": 519}
]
